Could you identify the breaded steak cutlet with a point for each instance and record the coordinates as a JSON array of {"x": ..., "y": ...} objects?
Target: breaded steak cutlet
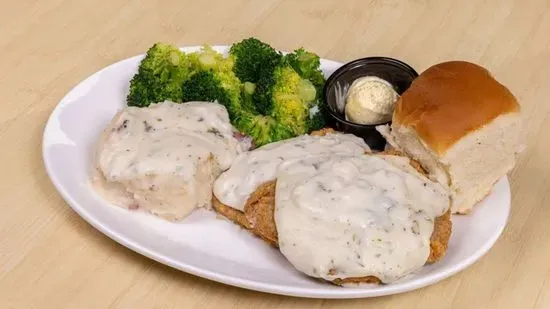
[
  {"x": 258, "y": 211},
  {"x": 258, "y": 217}
]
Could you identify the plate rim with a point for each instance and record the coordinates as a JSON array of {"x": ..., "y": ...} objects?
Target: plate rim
[{"x": 154, "y": 255}]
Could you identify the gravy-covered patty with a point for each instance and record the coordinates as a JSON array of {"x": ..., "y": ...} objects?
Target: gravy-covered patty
[{"x": 401, "y": 230}]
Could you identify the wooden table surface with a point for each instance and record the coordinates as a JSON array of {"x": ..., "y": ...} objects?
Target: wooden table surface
[{"x": 51, "y": 258}]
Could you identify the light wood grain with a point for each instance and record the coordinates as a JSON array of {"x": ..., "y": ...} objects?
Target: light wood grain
[{"x": 50, "y": 258}]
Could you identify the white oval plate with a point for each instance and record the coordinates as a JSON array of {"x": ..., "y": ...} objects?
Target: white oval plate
[{"x": 203, "y": 245}]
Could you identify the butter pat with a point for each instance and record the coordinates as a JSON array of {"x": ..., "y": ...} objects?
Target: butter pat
[{"x": 370, "y": 100}]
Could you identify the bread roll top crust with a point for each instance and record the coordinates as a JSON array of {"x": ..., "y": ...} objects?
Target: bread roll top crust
[{"x": 451, "y": 99}]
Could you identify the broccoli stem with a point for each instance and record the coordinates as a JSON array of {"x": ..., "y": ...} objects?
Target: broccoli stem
[
  {"x": 307, "y": 91},
  {"x": 208, "y": 61},
  {"x": 249, "y": 88},
  {"x": 174, "y": 58}
]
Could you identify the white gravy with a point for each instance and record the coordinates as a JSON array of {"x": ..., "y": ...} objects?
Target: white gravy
[
  {"x": 165, "y": 155},
  {"x": 355, "y": 216},
  {"x": 251, "y": 169}
]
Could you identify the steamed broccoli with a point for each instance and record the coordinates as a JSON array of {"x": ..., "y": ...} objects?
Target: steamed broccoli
[
  {"x": 268, "y": 96},
  {"x": 263, "y": 129},
  {"x": 308, "y": 65},
  {"x": 209, "y": 59},
  {"x": 212, "y": 79},
  {"x": 226, "y": 89},
  {"x": 251, "y": 56},
  {"x": 248, "y": 91},
  {"x": 317, "y": 116},
  {"x": 284, "y": 96},
  {"x": 160, "y": 75},
  {"x": 204, "y": 86},
  {"x": 281, "y": 113},
  {"x": 289, "y": 96},
  {"x": 262, "y": 97}
]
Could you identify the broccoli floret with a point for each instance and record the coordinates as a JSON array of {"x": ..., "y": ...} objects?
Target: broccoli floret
[
  {"x": 263, "y": 129},
  {"x": 285, "y": 96},
  {"x": 212, "y": 79},
  {"x": 204, "y": 86},
  {"x": 249, "y": 88},
  {"x": 307, "y": 90},
  {"x": 317, "y": 112},
  {"x": 251, "y": 57},
  {"x": 308, "y": 65},
  {"x": 160, "y": 75},
  {"x": 213, "y": 86},
  {"x": 209, "y": 59},
  {"x": 262, "y": 96},
  {"x": 282, "y": 110},
  {"x": 289, "y": 105},
  {"x": 248, "y": 91},
  {"x": 317, "y": 116}
]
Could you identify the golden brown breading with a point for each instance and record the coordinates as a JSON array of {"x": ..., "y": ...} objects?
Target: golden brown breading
[
  {"x": 258, "y": 218},
  {"x": 260, "y": 211},
  {"x": 258, "y": 215},
  {"x": 413, "y": 163},
  {"x": 230, "y": 213},
  {"x": 440, "y": 237},
  {"x": 322, "y": 132}
]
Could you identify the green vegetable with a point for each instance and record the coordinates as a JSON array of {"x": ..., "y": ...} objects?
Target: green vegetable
[
  {"x": 263, "y": 129},
  {"x": 287, "y": 111},
  {"x": 204, "y": 86},
  {"x": 209, "y": 59},
  {"x": 247, "y": 103},
  {"x": 288, "y": 105},
  {"x": 251, "y": 55},
  {"x": 308, "y": 65},
  {"x": 287, "y": 97},
  {"x": 280, "y": 86},
  {"x": 249, "y": 87},
  {"x": 262, "y": 94},
  {"x": 269, "y": 97},
  {"x": 307, "y": 91},
  {"x": 317, "y": 116},
  {"x": 160, "y": 75},
  {"x": 213, "y": 80}
]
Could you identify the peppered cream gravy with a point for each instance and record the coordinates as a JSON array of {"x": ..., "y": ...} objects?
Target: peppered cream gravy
[
  {"x": 165, "y": 157},
  {"x": 251, "y": 169},
  {"x": 343, "y": 216}
]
